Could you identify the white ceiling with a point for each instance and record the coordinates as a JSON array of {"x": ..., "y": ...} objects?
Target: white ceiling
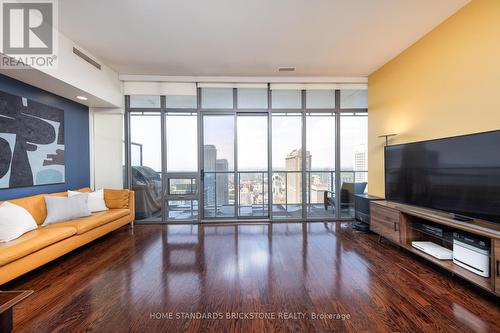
[{"x": 250, "y": 37}]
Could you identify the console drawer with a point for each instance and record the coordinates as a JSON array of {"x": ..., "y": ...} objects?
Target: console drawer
[
  {"x": 384, "y": 213},
  {"x": 385, "y": 222}
]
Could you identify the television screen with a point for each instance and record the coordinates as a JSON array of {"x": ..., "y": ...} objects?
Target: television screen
[{"x": 459, "y": 175}]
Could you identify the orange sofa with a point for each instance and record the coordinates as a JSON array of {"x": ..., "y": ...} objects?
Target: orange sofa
[{"x": 38, "y": 247}]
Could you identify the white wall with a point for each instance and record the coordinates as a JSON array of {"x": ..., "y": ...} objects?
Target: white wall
[
  {"x": 106, "y": 133},
  {"x": 103, "y": 84},
  {"x": 74, "y": 76}
]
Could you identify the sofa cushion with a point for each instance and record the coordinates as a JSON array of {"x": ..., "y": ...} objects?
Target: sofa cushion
[
  {"x": 60, "y": 209},
  {"x": 35, "y": 204},
  {"x": 116, "y": 199},
  {"x": 33, "y": 241},
  {"x": 84, "y": 224},
  {"x": 95, "y": 199},
  {"x": 14, "y": 221}
]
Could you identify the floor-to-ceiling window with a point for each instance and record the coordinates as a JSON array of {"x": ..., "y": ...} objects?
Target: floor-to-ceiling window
[
  {"x": 248, "y": 151},
  {"x": 235, "y": 152},
  {"x": 353, "y": 147},
  {"x": 287, "y": 146},
  {"x": 218, "y": 159},
  {"x": 287, "y": 164},
  {"x": 320, "y": 166},
  {"x": 252, "y": 165},
  {"x": 219, "y": 186},
  {"x": 181, "y": 133},
  {"x": 321, "y": 144},
  {"x": 181, "y": 177},
  {"x": 145, "y": 156}
]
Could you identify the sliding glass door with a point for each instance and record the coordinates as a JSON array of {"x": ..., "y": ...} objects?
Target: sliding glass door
[
  {"x": 235, "y": 187},
  {"x": 218, "y": 173}
]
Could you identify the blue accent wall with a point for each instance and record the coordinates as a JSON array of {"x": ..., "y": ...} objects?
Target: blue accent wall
[{"x": 76, "y": 139}]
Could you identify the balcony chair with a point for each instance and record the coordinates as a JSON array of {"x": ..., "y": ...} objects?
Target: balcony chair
[{"x": 347, "y": 193}]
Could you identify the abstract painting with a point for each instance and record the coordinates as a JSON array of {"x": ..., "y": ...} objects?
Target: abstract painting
[{"x": 31, "y": 142}]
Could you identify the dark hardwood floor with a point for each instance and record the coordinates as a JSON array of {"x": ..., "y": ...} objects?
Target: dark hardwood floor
[{"x": 148, "y": 280}]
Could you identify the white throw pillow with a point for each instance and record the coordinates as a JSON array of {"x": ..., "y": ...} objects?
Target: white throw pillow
[
  {"x": 96, "y": 200},
  {"x": 14, "y": 221},
  {"x": 61, "y": 209}
]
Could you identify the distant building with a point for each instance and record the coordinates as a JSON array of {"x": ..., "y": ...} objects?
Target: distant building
[
  {"x": 360, "y": 163},
  {"x": 216, "y": 185},
  {"x": 293, "y": 162},
  {"x": 209, "y": 157},
  {"x": 222, "y": 182},
  {"x": 278, "y": 186},
  {"x": 346, "y": 177},
  {"x": 320, "y": 182},
  {"x": 246, "y": 197}
]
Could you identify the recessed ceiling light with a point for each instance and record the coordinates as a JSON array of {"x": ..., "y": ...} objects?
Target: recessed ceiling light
[
  {"x": 286, "y": 69},
  {"x": 83, "y": 98}
]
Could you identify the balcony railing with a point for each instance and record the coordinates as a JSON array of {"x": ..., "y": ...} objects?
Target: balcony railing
[{"x": 251, "y": 194}]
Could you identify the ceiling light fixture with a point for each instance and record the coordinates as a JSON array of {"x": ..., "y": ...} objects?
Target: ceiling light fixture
[
  {"x": 286, "y": 69},
  {"x": 83, "y": 98}
]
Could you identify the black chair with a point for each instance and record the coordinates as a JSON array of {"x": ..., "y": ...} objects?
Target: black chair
[{"x": 347, "y": 193}]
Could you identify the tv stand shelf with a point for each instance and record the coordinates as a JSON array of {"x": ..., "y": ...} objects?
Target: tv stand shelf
[
  {"x": 399, "y": 224},
  {"x": 453, "y": 268}
]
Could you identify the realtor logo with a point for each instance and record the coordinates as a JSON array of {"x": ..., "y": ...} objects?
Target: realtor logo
[{"x": 29, "y": 33}]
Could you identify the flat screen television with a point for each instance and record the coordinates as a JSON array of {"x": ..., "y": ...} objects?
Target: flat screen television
[{"x": 460, "y": 175}]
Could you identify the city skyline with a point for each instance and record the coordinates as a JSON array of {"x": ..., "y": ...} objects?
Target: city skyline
[
  {"x": 182, "y": 142},
  {"x": 220, "y": 187}
]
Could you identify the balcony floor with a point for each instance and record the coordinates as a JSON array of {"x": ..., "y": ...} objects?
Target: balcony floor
[{"x": 280, "y": 211}]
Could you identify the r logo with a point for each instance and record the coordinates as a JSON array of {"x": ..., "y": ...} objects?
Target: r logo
[{"x": 27, "y": 27}]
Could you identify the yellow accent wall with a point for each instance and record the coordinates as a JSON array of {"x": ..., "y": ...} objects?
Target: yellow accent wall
[{"x": 447, "y": 83}]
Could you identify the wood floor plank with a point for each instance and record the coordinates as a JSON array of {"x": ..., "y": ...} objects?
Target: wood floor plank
[{"x": 158, "y": 278}]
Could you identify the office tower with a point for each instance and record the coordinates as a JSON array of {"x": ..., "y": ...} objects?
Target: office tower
[
  {"x": 222, "y": 182},
  {"x": 360, "y": 163},
  {"x": 293, "y": 162},
  {"x": 210, "y": 156},
  {"x": 320, "y": 182}
]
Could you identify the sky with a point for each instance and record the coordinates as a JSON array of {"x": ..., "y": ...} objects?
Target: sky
[{"x": 181, "y": 137}]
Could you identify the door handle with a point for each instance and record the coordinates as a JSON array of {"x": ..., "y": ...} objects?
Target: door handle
[
  {"x": 498, "y": 268},
  {"x": 202, "y": 175},
  {"x": 395, "y": 226}
]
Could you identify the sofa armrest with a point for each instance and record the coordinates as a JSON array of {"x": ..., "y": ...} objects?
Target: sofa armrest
[
  {"x": 119, "y": 199},
  {"x": 131, "y": 205},
  {"x": 116, "y": 199}
]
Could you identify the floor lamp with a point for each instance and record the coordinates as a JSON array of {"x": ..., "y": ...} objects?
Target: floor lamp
[{"x": 387, "y": 136}]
